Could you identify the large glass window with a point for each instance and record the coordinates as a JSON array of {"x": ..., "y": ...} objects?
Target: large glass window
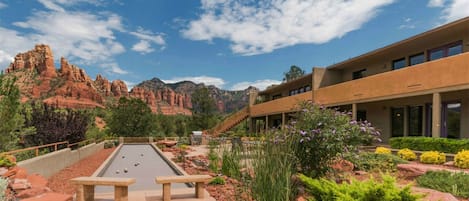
[
  {"x": 415, "y": 120},
  {"x": 452, "y": 120},
  {"x": 416, "y": 59},
  {"x": 398, "y": 64},
  {"x": 358, "y": 74},
  {"x": 447, "y": 50}
]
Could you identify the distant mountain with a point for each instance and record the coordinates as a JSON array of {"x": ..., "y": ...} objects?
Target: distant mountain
[
  {"x": 226, "y": 101},
  {"x": 70, "y": 87}
]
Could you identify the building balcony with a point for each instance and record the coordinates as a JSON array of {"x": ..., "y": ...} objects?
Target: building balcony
[
  {"x": 284, "y": 104},
  {"x": 418, "y": 79}
]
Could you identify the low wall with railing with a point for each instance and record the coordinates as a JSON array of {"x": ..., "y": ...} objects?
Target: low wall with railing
[{"x": 51, "y": 163}]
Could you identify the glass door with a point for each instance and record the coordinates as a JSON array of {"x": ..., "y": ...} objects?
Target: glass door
[
  {"x": 451, "y": 120},
  {"x": 397, "y": 122}
]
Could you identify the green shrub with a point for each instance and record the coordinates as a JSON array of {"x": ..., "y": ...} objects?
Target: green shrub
[
  {"x": 217, "y": 181},
  {"x": 7, "y": 161},
  {"x": 213, "y": 161},
  {"x": 430, "y": 144},
  {"x": 445, "y": 181},
  {"x": 323, "y": 134},
  {"x": 367, "y": 161},
  {"x": 382, "y": 150},
  {"x": 273, "y": 164},
  {"x": 407, "y": 154},
  {"x": 369, "y": 190},
  {"x": 109, "y": 144},
  {"x": 230, "y": 165},
  {"x": 461, "y": 159},
  {"x": 433, "y": 157}
]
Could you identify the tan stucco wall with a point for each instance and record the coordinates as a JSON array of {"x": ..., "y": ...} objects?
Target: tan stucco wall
[
  {"x": 447, "y": 72},
  {"x": 51, "y": 163}
]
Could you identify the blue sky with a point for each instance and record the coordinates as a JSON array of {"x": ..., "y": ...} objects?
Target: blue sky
[{"x": 228, "y": 43}]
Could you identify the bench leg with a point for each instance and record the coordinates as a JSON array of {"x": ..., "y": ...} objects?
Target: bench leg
[
  {"x": 167, "y": 192},
  {"x": 199, "y": 189},
  {"x": 85, "y": 193},
  {"x": 121, "y": 193}
]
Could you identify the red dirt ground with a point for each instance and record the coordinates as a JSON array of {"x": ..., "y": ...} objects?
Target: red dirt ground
[{"x": 85, "y": 167}]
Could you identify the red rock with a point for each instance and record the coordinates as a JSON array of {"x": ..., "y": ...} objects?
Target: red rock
[
  {"x": 21, "y": 173},
  {"x": 72, "y": 73},
  {"x": 39, "y": 59},
  {"x": 19, "y": 186},
  {"x": 119, "y": 88},
  {"x": 103, "y": 85},
  {"x": 3, "y": 170},
  {"x": 11, "y": 172},
  {"x": 51, "y": 197},
  {"x": 342, "y": 165},
  {"x": 37, "y": 181},
  {"x": 32, "y": 192}
]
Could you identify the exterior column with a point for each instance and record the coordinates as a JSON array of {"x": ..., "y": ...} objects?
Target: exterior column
[
  {"x": 424, "y": 120},
  {"x": 354, "y": 111},
  {"x": 250, "y": 120},
  {"x": 436, "y": 115},
  {"x": 283, "y": 120}
]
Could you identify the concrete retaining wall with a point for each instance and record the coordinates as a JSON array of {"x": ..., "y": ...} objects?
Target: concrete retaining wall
[{"x": 51, "y": 163}]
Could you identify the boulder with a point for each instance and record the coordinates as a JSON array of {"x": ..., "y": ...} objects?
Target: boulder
[{"x": 342, "y": 165}]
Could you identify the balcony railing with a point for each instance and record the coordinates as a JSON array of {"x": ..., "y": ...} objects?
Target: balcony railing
[
  {"x": 284, "y": 104},
  {"x": 441, "y": 73}
]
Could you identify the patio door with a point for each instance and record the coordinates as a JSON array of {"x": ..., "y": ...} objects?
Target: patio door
[
  {"x": 397, "y": 122},
  {"x": 451, "y": 120}
]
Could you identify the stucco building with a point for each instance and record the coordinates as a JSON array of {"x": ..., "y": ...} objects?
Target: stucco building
[{"x": 415, "y": 87}]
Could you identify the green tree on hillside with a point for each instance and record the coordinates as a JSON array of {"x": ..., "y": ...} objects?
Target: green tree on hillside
[
  {"x": 203, "y": 109},
  {"x": 12, "y": 122},
  {"x": 294, "y": 73},
  {"x": 130, "y": 118}
]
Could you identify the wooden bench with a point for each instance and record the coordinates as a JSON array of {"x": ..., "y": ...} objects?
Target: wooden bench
[
  {"x": 86, "y": 185},
  {"x": 167, "y": 180}
]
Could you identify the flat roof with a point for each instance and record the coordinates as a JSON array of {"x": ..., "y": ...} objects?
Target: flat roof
[
  {"x": 460, "y": 24},
  {"x": 286, "y": 84}
]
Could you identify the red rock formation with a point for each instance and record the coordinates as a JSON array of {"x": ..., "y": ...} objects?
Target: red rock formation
[
  {"x": 73, "y": 73},
  {"x": 119, "y": 88},
  {"x": 39, "y": 59},
  {"x": 103, "y": 85}
]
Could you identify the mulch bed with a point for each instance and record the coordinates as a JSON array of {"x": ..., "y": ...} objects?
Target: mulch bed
[{"x": 85, "y": 167}]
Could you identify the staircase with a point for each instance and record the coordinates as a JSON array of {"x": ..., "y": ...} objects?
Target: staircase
[{"x": 230, "y": 122}]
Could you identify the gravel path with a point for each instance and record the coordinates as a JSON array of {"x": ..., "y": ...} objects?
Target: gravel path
[{"x": 85, "y": 167}]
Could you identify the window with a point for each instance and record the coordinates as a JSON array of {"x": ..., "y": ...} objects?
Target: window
[
  {"x": 398, "y": 64},
  {"x": 308, "y": 88},
  {"x": 302, "y": 90},
  {"x": 415, "y": 120},
  {"x": 397, "y": 122},
  {"x": 358, "y": 74},
  {"x": 445, "y": 51},
  {"x": 416, "y": 59},
  {"x": 276, "y": 96}
]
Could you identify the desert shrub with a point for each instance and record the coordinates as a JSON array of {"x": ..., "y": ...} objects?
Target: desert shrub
[
  {"x": 230, "y": 165},
  {"x": 217, "y": 181},
  {"x": 445, "y": 181},
  {"x": 3, "y": 188},
  {"x": 369, "y": 190},
  {"x": 461, "y": 159},
  {"x": 109, "y": 144},
  {"x": 407, "y": 154},
  {"x": 213, "y": 161},
  {"x": 273, "y": 164},
  {"x": 323, "y": 134},
  {"x": 7, "y": 161},
  {"x": 433, "y": 157},
  {"x": 382, "y": 150},
  {"x": 430, "y": 144},
  {"x": 372, "y": 161}
]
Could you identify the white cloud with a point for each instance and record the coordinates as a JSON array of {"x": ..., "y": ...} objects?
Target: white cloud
[
  {"x": 143, "y": 47},
  {"x": 436, "y": 3},
  {"x": 5, "y": 59},
  {"x": 256, "y": 27},
  {"x": 260, "y": 84},
  {"x": 207, "y": 80},
  {"x": 146, "y": 38},
  {"x": 3, "y": 5},
  {"x": 129, "y": 84},
  {"x": 456, "y": 9},
  {"x": 407, "y": 24},
  {"x": 82, "y": 37}
]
